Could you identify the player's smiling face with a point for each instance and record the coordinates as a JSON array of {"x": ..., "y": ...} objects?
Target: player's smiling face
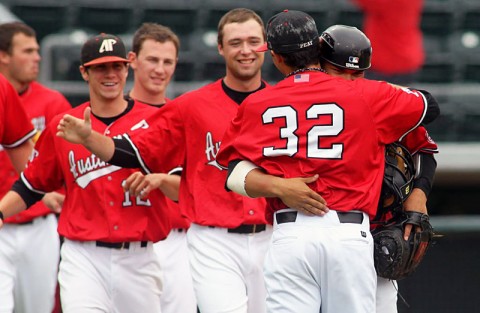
[
  {"x": 240, "y": 41},
  {"x": 107, "y": 80},
  {"x": 154, "y": 66}
]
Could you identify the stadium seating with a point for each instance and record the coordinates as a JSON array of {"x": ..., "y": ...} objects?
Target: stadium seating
[{"x": 45, "y": 17}]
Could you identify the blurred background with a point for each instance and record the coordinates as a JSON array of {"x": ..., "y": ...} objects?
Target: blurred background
[{"x": 449, "y": 278}]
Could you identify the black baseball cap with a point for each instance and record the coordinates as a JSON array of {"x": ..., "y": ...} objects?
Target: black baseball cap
[
  {"x": 290, "y": 31},
  {"x": 103, "y": 48}
]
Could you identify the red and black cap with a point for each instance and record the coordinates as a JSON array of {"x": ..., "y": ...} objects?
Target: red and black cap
[
  {"x": 103, "y": 48},
  {"x": 290, "y": 31}
]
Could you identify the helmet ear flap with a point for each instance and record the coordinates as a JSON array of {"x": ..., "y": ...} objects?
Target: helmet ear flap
[{"x": 397, "y": 179}]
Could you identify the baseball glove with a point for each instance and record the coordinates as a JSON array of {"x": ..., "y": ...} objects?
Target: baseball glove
[{"x": 396, "y": 258}]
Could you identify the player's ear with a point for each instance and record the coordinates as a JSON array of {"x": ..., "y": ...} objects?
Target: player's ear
[
  {"x": 132, "y": 57},
  {"x": 4, "y": 56},
  {"x": 276, "y": 57},
  {"x": 84, "y": 72},
  {"x": 220, "y": 49}
]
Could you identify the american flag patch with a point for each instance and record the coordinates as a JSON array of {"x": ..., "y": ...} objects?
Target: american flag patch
[{"x": 301, "y": 78}]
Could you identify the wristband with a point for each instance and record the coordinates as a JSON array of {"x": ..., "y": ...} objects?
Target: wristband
[{"x": 236, "y": 179}]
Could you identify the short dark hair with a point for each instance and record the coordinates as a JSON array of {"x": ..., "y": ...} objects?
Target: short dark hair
[
  {"x": 9, "y": 30},
  {"x": 302, "y": 58},
  {"x": 239, "y": 15},
  {"x": 155, "y": 32}
]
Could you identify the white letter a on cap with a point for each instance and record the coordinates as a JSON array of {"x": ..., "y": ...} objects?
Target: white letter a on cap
[{"x": 107, "y": 45}]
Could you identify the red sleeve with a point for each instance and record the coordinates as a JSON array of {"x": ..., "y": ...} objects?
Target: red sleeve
[
  {"x": 395, "y": 111},
  {"x": 419, "y": 141},
  {"x": 16, "y": 128},
  {"x": 162, "y": 147}
]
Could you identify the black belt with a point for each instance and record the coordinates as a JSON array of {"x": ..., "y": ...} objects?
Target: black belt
[
  {"x": 118, "y": 245},
  {"x": 248, "y": 229},
  {"x": 343, "y": 217}
]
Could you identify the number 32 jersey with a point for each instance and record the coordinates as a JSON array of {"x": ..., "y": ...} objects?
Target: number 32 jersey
[{"x": 313, "y": 123}]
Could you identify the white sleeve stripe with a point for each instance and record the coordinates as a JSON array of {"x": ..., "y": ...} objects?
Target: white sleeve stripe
[
  {"x": 137, "y": 153},
  {"x": 29, "y": 186},
  {"x": 175, "y": 170},
  {"x": 425, "y": 106},
  {"x": 21, "y": 140}
]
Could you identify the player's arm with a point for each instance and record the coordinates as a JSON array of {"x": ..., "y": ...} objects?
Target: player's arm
[
  {"x": 433, "y": 109},
  {"x": 422, "y": 185},
  {"x": 139, "y": 184},
  {"x": 114, "y": 151},
  {"x": 19, "y": 155},
  {"x": 54, "y": 201},
  {"x": 11, "y": 204},
  {"x": 247, "y": 179}
]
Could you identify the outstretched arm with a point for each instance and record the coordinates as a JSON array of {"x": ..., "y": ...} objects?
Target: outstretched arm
[
  {"x": 80, "y": 131},
  {"x": 247, "y": 179}
]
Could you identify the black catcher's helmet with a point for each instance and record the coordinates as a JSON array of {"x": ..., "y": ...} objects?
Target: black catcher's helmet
[
  {"x": 346, "y": 47},
  {"x": 398, "y": 178}
]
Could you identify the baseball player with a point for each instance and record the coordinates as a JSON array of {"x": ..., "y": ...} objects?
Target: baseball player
[
  {"x": 107, "y": 258},
  {"x": 314, "y": 124},
  {"x": 29, "y": 242},
  {"x": 153, "y": 59},
  {"x": 229, "y": 234},
  {"x": 338, "y": 44}
]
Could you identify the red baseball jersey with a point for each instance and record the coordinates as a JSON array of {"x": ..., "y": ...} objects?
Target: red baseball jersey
[
  {"x": 312, "y": 123},
  {"x": 418, "y": 140},
  {"x": 41, "y": 105},
  {"x": 187, "y": 131},
  {"x": 15, "y": 127},
  {"x": 96, "y": 207}
]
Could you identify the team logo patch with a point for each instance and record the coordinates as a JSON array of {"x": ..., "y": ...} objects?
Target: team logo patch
[
  {"x": 107, "y": 45},
  {"x": 352, "y": 59},
  {"x": 211, "y": 151}
]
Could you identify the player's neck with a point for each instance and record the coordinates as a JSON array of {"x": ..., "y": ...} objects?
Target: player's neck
[
  {"x": 108, "y": 107},
  {"x": 19, "y": 87},
  {"x": 143, "y": 96},
  {"x": 246, "y": 85}
]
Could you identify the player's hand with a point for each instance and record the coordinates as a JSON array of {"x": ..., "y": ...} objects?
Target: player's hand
[
  {"x": 54, "y": 201},
  {"x": 141, "y": 185},
  {"x": 296, "y": 194},
  {"x": 417, "y": 202},
  {"x": 75, "y": 130}
]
